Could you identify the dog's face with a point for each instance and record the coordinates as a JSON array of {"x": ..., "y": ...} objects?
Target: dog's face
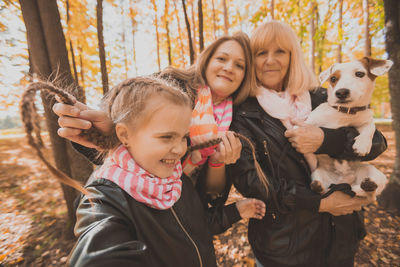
[{"x": 351, "y": 84}]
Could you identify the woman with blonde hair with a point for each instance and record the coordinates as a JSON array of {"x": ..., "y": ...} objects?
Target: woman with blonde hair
[{"x": 301, "y": 227}]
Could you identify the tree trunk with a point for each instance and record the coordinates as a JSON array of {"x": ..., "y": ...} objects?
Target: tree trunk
[
  {"x": 340, "y": 33},
  {"x": 390, "y": 197},
  {"x": 300, "y": 21},
  {"x": 194, "y": 30},
  {"x": 166, "y": 17},
  {"x": 81, "y": 65},
  {"x": 189, "y": 33},
  {"x": 367, "y": 50},
  {"x": 272, "y": 7},
  {"x": 226, "y": 19},
  {"x": 179, "y": 34},
  {"x": 321, "y": 41},
  {"x": 157, "y": 34},
  {"x": 201, "y": 34},
  {"x": 132, "y": 14},
  {"x": 46, "y": 43},
  {"x": 30, "y": 71},
  {"x": 214, "y": 20},
  {"x": 102, "y": 52},
  {"x": 124, "y": 39},
  {"x": 71, "y": 48},
  {"x": 312, "y": 35}
]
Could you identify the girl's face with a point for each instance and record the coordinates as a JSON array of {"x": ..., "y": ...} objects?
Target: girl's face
[
  {"x": 225, "y": 70},
  {"x": 272, "y": 64},
  {"x": 159, "y": 143}
]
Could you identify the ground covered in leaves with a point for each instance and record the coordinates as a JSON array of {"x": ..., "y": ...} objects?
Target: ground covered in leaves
[{"x": 32, "y": 216}]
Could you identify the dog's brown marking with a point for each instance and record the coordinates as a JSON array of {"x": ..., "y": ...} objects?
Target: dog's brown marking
[
  {"x": 368, "y": 185},
  {"x": 370, "y": 63},
  {"x": 316, "y": 186},
  {"x": 336, "y": 74}
]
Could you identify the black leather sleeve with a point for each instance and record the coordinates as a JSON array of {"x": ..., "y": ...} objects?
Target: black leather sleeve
[
  {"x": 90, "y": 153},
  {"x": 338, "y": 143},
  {"x": 106, "y": 236},
  {"x": 221, "y": 217}
]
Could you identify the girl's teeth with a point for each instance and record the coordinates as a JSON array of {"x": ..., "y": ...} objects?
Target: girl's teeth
[{"x": 168, "y": 161}]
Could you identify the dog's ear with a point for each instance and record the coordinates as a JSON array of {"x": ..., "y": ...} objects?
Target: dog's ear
[
  {"x": 377, "y": 66},
  {"x": 323, "y": 76}
]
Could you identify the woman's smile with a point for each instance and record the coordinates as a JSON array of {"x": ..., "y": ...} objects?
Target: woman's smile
[{"x": 225, "y": 77}]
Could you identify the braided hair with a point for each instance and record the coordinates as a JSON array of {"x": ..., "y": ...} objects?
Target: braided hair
[{"x": 125, "y": 102}]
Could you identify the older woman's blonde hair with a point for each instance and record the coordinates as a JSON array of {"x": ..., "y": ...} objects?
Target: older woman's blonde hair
[
  {"x": 196, "y": 74},
  {"x": 299, "y": 77}
]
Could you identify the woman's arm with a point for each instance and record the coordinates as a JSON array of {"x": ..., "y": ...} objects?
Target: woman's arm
[
  {"x": 73, "y": 119},
  {"x": 220, "y": 218},
  {"x": 107, "y": 237},
  {"x": 337, "y": 143},
  {"x": 227, "y": 152}
]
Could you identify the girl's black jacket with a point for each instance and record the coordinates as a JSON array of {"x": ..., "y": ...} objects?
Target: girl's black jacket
[
  {"x": 116, "y": 230},
  {"x": 293, "y": 232}
]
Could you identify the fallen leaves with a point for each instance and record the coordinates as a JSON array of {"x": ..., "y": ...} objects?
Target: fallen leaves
[
  {"x": 32, "y": 209},
  {"x": 32, "y": 217}
]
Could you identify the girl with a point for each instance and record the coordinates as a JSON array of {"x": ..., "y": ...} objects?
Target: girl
[{"x": 139, "y": 211}]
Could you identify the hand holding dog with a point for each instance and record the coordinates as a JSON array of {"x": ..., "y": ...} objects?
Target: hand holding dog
[
  {"x": 339, "y": 203},
  {"x": 305, "y": 138}
]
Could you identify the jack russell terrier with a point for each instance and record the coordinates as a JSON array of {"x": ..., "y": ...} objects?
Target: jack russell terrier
[{"x": 349, "y": 94}]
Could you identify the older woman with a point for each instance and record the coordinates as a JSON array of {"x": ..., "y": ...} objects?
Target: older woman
[{"x": 300, "y": 228}]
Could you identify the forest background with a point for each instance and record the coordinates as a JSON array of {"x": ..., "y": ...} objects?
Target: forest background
[
  {"x": 93, "y": 45},
  {"x": 142, "y": 37}
]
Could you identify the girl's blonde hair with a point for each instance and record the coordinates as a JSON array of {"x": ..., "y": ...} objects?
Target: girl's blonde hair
[
  {"x": 127, "y": 101},
  {"x": 195, "y": 75},
  {"x": 299, "y": 77}
]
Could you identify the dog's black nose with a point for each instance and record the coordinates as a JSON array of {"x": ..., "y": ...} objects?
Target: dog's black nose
[{"x": 342, "y": 93}]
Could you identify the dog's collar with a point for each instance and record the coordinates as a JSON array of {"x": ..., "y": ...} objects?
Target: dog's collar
[{"x": 352, "y": 110}]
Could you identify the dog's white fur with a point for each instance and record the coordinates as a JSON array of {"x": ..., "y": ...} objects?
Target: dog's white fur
[{"x": 327, "y": 171}]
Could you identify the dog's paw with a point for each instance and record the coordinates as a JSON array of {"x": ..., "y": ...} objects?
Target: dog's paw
[
  {"x": 368, "y": 185},
  {"x": 361, "y": 146},
  {"x": 316, "y": 186}
]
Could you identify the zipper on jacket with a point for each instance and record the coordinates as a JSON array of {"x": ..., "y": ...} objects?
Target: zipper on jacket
[
  {"x": 187, "y": 234},
  {"x": 266, "y": 153}
]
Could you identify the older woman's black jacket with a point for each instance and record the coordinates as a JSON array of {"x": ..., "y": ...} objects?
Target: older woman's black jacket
[{"x": 293, "y": 232}]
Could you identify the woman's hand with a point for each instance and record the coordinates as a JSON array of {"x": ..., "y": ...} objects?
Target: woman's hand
[
  {"x": 251, "y": 208},
  {"x": 228, "y": 151},
  {"x": 73, "y": 119},
  {"x": 305, "y": 138},
  {"x": 339, "y": 203}
]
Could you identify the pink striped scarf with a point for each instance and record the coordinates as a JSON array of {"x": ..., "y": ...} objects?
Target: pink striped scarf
[
  {"x": 223, "y": 114},
  {"x": 158, "y": 193}
]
